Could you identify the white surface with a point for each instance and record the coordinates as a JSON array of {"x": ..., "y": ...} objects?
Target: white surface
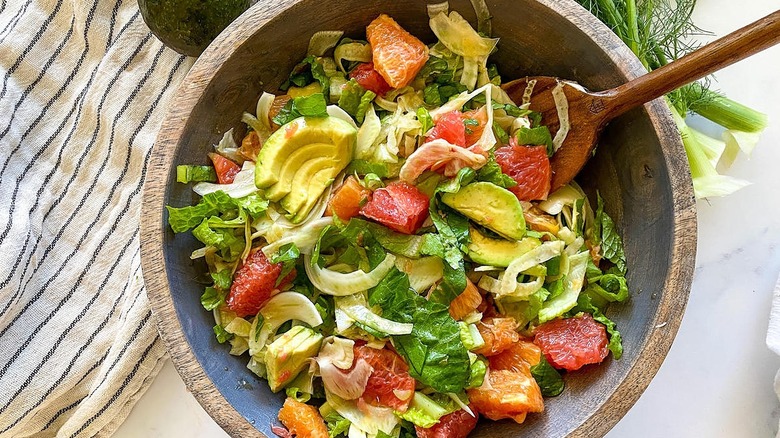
[{"x": 717, "y": 379}]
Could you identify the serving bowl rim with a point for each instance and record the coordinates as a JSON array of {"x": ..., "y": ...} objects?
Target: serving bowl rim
[{"x": 672, "y": 300}]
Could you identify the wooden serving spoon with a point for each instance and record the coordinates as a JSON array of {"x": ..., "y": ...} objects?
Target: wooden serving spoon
[{"x": 589, "y": 112}]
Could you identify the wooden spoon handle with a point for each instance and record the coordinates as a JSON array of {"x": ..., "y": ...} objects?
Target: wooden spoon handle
[{"x": 720, "y": 53}]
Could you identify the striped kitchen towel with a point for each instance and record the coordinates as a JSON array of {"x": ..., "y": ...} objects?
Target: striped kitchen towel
[{"x": 84, "y": 89}]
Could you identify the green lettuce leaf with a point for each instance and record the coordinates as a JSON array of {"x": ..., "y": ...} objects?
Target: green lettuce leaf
[
  {"x": 212, "y": 298},
  {"x": 454, "y": 231},
  {"x": 222, "y": 279},
  {"x": 434, "y": 350},
  {"x": 408, "y": 245},
  {"x": 424, "y": 117},
  {"x": 382, "y": 170},
  {"x": 184, "y": 218},
  {"x": 610, "y": 287},
  {"x": 337, "y": 425},
  {"x": 425, "y": 411},
  {"x": 222, "y": 335},
  {"x": 355, "y": 100}
]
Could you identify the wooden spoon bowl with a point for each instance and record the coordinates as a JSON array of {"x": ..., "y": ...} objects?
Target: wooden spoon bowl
[{"x": 641, "y": 171}]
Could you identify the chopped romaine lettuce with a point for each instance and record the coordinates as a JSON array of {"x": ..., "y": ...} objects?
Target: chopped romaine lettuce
[{"x": 434, "y": 352}]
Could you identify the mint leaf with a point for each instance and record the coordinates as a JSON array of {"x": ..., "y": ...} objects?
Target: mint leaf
[
  {"x": 313, "y": 105},
  {"x": 355, "y": 100},
  {"x": 287, "y": 255},
  {"x": 424, "y": 117},
  {"x": 539, "y": 136},
  {"x": 549, "y": 380},
  {"x": 491, "y": 172},
  {"x": 611, "y": 243},
  {"x": 306, "y": 72}
]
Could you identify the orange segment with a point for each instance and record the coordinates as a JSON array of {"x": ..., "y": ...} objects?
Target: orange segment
[
  {"x": 507, "y": 394},
  {"x": 302, "y": 420},
  {"x": 348, "y": 199},
  {"x": 250, "y": 146},
  {"x": 397, "y": 55},
  {"x": 465, "y": 303},
  {"x": 498, "y": 333},
  {"x": 518, "y": 357}
]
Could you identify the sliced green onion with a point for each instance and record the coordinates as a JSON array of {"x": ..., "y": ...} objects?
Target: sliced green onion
[{"x": 186, "y": 173}]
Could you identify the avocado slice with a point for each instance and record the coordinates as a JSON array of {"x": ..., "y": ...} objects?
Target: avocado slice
[
  {"x": 314, "y": 180},
  {"x": 491, "y": 206},
  {"x": 188, "y": 26},
  {"x": 297, "y": 134},
  {"x": 497, "y": 252},
  {"x": 319, "y": 182},
  {"x": 305, "y": 161},
  {"x": 289, "y": 354}
]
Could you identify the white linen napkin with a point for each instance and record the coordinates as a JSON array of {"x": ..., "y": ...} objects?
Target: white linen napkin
[
  {"x": 773, "y": 333},
  {"x": 84, "y": 89}
]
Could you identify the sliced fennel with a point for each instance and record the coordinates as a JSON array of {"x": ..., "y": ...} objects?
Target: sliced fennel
[
  {"x": 521, "y": 290},
  {"x": 355, "y": 307},
  {"x": 736, "y": 141},
  {"x": 566, "y": 195},
  {"x": 242, "y": 185},
  {"x": 562, "y": 107},
  {"x": 707, "y": 181},
  {"x": 283, "y": 307},
  {"x": 457, "y": 35},
  {"x": 368, "y": 135},
  {"x": 423, "y": 272},
  {"x": 304, "y": 237},
  {"x": 575, "y": 278},
  {"x": 538, "y": 255},
  {"x": 228, "y": 147},
  {"x": 712, "y": 147},
  {"x": 323, "y": 41},
  {"x": 340, "y": 284},
  {"x": 368, "y": 419},
  {"x": 354, "y": 52},
  {"x": 335, "y": 355}
]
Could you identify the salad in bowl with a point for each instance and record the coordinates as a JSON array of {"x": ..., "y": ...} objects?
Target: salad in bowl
[{"x": 383, "y": 245}]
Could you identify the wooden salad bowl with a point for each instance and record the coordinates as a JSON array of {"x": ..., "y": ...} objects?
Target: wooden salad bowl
[{"x": 640, "y": 170}]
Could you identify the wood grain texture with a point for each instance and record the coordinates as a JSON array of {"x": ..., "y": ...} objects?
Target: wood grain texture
[
  {"x": 590, "y": 111},
  {"x": 642, "y": 174}
]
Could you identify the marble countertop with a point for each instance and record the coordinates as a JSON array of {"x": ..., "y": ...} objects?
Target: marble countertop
[{"x": 717, "y": 380}]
